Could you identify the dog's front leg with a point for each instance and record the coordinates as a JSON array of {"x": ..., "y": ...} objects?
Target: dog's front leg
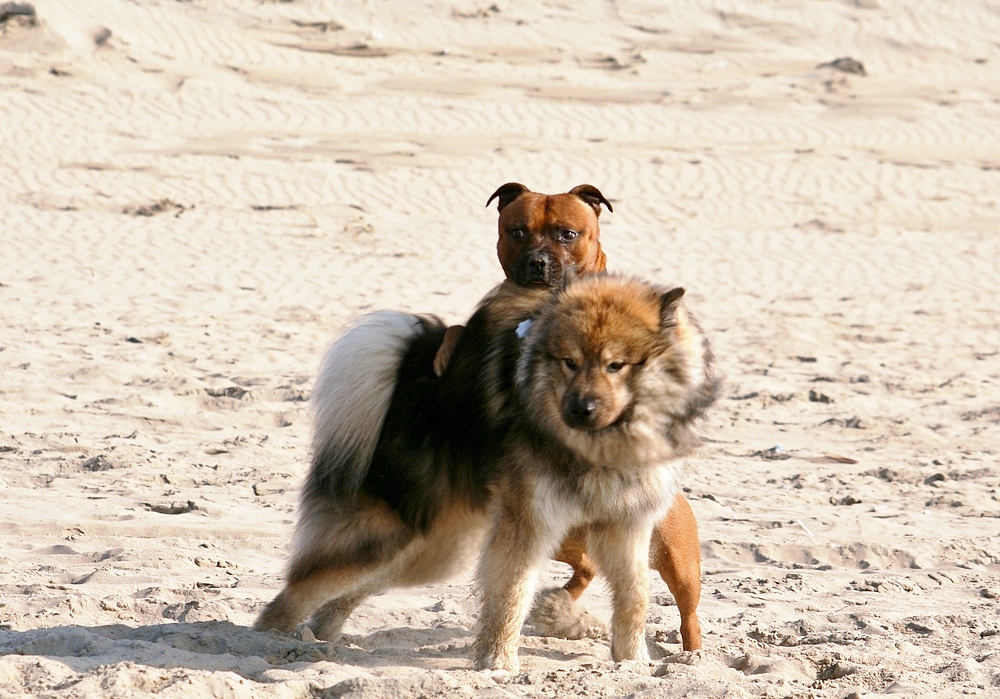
[
  {"x": 507, "y": 573},
  {"x": 622, "y": 554}
]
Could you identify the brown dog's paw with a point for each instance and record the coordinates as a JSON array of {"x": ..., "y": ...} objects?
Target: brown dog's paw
[{"x": 557, "y": 614}]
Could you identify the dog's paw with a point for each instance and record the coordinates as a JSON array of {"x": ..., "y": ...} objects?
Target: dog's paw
[
  {"x": 631, "y": 651},
  {"x": 557, "y": 614},
  {"x": 500, "y": 669},
  {"x": 323, "y": 628},
  {"x": 498, "y": 676}
]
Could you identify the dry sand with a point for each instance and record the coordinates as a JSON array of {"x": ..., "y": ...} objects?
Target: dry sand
[{"x": 197, "y": 195}]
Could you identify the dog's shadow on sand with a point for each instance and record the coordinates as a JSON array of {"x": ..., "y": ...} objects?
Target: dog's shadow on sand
[{"x": 223, "y": 646}]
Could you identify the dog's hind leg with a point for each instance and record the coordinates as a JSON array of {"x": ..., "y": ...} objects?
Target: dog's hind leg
[
  {"x": 344, "y": 554},
  {"x": 573, "y": 552},
  {"x": 327, "y": 621},
  {"x": 622, "y": 554},
  {"x": 328, "y": 592},
  {"x": 675, "y": 552},
  {"x": 293, "y": 604},
  {"x": 556, "y": 611}
]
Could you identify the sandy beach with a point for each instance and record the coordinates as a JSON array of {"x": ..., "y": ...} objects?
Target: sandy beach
[{"x": 197, "y": 196}]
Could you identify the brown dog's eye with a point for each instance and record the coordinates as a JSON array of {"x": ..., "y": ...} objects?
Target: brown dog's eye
[
  {"x": 615, "y": 367},
  {"x": 570, "y": 364},
  {"x": 566, "y": 236},
  {"x": 517, "y": 233}
]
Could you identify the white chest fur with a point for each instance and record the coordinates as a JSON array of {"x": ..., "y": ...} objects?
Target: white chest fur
[{"x": 633, "y": 495}]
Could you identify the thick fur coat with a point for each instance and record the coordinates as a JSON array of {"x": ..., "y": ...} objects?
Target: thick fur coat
[{"x": 577, "y": 423}]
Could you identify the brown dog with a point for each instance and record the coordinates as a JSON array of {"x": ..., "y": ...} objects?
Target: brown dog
[{"x": 542, "y": 237}]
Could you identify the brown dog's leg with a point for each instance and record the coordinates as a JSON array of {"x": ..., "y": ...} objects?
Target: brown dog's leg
[
  {"x": 555, "y": 612},
  {"x": 443, "y": 356},
  {"x": 676, "y": 553},
  {"x": 573, "y": 551}
]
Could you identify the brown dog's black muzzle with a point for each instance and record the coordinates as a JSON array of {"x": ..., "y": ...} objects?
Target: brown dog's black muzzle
[{"x": 538, "y": 268}]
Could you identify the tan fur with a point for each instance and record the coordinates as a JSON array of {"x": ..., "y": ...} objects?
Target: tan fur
[{"x": 332, "y": 590}]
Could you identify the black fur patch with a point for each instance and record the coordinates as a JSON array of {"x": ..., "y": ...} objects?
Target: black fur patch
[
  {"x": 443, "y": 439},
  {"x": 331, "y": 469},
  {"x": 335, "y": 468},
  {"x": 439, "y": 444}
]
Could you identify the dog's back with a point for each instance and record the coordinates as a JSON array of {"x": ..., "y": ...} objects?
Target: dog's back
[
  {"x": 442, "y": 437},
  {"x": 387, "y": 428}
]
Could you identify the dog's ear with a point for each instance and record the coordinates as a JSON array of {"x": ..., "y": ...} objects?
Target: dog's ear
[
  {"x": 592, "y": 195},
  {"x": 506, "y": 194},
  {"x": 668, "y": 307}
]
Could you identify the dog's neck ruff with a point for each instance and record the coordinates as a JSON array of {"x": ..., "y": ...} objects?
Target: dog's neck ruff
[{"x": 625, "y": 445}]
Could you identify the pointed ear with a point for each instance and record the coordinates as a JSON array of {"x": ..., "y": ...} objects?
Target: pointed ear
[
  {"x": 668, "y": 307},
  {"x": 592, "y": 195},
  {"x": 507, "y": 193}
]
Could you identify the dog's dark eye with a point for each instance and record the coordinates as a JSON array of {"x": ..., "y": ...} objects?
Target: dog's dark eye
[
  {"x": 570, "y": 364},
  {"x": 615, "y": 367},
  {"x": 566, "y": 236},
  {"x": 517, "y": 233}
]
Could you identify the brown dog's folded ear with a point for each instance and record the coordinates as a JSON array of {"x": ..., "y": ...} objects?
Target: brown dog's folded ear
[
  {"x": 668, "y": 307},
  {"x": 507, "y": 193},
  {"x": 592, "y": 195}
]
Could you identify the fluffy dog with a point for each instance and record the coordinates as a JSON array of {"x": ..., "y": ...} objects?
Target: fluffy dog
[{"x": 576, "y": 425}]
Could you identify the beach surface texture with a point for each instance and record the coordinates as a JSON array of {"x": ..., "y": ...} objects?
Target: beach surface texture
[{"x": 198, "y": 195}]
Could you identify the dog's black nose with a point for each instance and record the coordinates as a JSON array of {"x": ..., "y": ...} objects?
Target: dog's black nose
[
  {"x": 580, "y": 410},
  {"x": 537, "y": 267}
]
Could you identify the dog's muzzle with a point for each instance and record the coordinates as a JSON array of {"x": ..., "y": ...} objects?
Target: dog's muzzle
[
  {"x": 538, "y": 267},
  {"x": 582, "y": 412}
]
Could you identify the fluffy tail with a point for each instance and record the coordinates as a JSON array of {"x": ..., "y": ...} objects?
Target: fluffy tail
[{"x": 351, "y": 398}]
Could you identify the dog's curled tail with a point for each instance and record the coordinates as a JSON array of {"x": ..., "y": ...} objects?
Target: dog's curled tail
[{"x": 351, "y": 398}]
